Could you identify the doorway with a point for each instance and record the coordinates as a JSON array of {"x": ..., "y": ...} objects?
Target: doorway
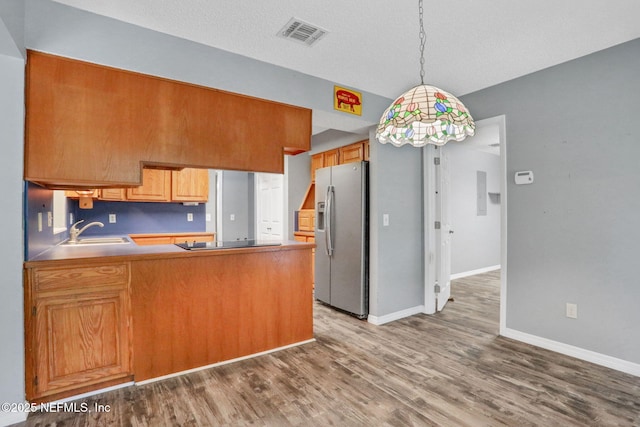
[
  {"x": 486, "y": 202},
  {"x": 269, "y": 206}
]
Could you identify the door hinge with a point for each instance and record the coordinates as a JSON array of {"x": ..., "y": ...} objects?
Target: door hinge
[
  {"x": 35, "y": 380},
  {"x": 436, "y": 161},
  {"x": 436, "y": 288},
  {"x": 33, "y": 310},
  {"x": 437, "y": 225}
]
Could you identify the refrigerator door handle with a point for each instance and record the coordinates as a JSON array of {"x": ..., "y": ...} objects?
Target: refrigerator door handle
[{"x": 328, "y": 215}]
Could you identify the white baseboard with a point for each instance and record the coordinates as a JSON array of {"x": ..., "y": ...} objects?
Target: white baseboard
[
  {"x": 577, "y": 352},
  {"x": 225, "y": 362},
  {"x": 8, "y": 418},
  {"x": 474, "y": 272},
  {"x": 381, "y": 320}
]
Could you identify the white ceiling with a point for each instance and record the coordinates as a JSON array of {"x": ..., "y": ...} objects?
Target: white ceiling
[{"x": 373, "y": 45}]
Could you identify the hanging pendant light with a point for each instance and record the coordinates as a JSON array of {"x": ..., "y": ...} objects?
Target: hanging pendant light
[{"x": 425, "y": 114}]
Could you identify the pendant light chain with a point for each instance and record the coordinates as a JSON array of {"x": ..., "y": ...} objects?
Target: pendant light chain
[
  {"x": 424, "y": 114},
  {"x": 423, "y": 40}
]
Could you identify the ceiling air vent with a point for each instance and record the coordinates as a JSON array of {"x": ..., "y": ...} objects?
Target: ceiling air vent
[{"x": 301, "y": 32}]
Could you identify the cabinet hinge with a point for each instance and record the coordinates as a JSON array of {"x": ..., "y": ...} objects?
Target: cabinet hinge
[
  {"x": 437, "y": 225},
  {"x": 35, "y": 380},
  {"x": 33, "y": 311},
  {"x": 436, "y": 161}
]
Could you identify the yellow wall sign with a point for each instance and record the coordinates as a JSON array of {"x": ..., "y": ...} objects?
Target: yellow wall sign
[{"x": 347, "y": 100}]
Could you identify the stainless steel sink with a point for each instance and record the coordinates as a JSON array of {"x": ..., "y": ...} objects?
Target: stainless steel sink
[{"x": 98, "y": 241}]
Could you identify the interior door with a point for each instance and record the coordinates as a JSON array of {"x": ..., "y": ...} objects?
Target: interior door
[
  {"x": 444, "y": 233},
  {"x": 269, "y": 209}
]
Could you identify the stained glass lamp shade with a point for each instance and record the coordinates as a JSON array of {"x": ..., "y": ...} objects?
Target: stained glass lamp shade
[{"x": 425, "y": 115}]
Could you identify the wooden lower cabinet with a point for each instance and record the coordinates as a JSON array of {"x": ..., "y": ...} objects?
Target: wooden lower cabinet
[
  {"x": 306, "y": 219},
  {"x": 170, "y": 238},
  {"x": 309, "y": 238},
  {"x": 198, "y": 310},
  {"x": 77, "y": 329},
  {"x": 86, "y": 320}
]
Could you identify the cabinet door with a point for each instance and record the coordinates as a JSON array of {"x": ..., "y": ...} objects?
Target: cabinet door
[
  {"x": 156, "y": 187},
  {"x": 72, "y": 194},
  {"x": 153, "y": 240},
  {"x": 306, "y": 220},
  {"x": 317, "y": 162},
  {"x": 352, "y": 153},
  {"x": 190, "y": 185},
  {"x": 81, "y": 339},
  {"x": 113, "y": 194},
  {"x": 331, "y": 158}
]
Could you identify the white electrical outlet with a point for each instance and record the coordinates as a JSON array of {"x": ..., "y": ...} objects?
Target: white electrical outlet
[
  {"x": 49, "y": 219},
  {"x": 572, "y": 311},
  {"x": 385, "y": 220},
  {"x": 190, "y": 217},
  {"x": 112, "y": 218},
  {"x": 232, "y": 217}
]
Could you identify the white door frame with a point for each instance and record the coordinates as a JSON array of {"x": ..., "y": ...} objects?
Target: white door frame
[
  {"x": 429, "y": 220},
  {"x": 429, "y": 199}
]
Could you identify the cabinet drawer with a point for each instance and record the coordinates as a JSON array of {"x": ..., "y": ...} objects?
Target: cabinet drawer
[{"x": 52, "y": 278}]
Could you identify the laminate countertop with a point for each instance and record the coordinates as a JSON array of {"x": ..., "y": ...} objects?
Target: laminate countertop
[{"x": 131, "y": 251}]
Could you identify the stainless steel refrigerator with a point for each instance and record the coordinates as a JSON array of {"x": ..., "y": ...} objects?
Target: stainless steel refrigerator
[{"x": 342, "y": 237}]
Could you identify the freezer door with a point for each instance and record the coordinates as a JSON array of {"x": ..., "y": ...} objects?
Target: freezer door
[
  {"x": 322, "y": 278},
  {"x": 349, "y": 284}
]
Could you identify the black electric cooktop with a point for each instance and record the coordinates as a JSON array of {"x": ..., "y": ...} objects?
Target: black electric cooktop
[{"x": 204, "y": 246}]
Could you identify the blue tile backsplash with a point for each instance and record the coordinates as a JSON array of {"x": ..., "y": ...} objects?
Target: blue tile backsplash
[
  {"x": 141, "y": 217},
  {"x": 131, "y": 218}
]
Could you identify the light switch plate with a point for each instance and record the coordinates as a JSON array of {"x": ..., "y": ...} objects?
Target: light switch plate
[
  {"x": 39, "y": 221},
  {"x": 190, "y": 217},
  {"x": 232, "y": 217},
  {"x": 207, "y": 217},
  {"x": 112, "y": 218},
  {"x": 385, "y": 220}
]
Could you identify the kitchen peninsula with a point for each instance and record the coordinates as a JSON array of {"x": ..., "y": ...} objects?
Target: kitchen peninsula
[
  {"x": 103, "y": 315},
  {"x": 111, "y": 314}
]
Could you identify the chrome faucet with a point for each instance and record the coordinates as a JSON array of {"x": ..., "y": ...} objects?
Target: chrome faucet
[{"x": 74, "y": 232}]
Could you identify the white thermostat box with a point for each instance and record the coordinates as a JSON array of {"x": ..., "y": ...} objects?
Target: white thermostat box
[{"x": 524, "y": 177}]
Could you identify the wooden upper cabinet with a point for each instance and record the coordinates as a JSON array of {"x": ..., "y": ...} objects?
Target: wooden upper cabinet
[
  {"x": 317, "y": 161},
  {"x": 91, "y": 126},
  {"x": 156, "y": 187},
  {"x": 352, "y": 153},
  {"x": 331, "y": 158},
  {"x": 190, "y": 185},
  {"x": 113, "y": 194}
]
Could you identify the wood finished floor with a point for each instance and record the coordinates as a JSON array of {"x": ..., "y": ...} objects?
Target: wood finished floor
[{"x": 446, "y": 370}]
